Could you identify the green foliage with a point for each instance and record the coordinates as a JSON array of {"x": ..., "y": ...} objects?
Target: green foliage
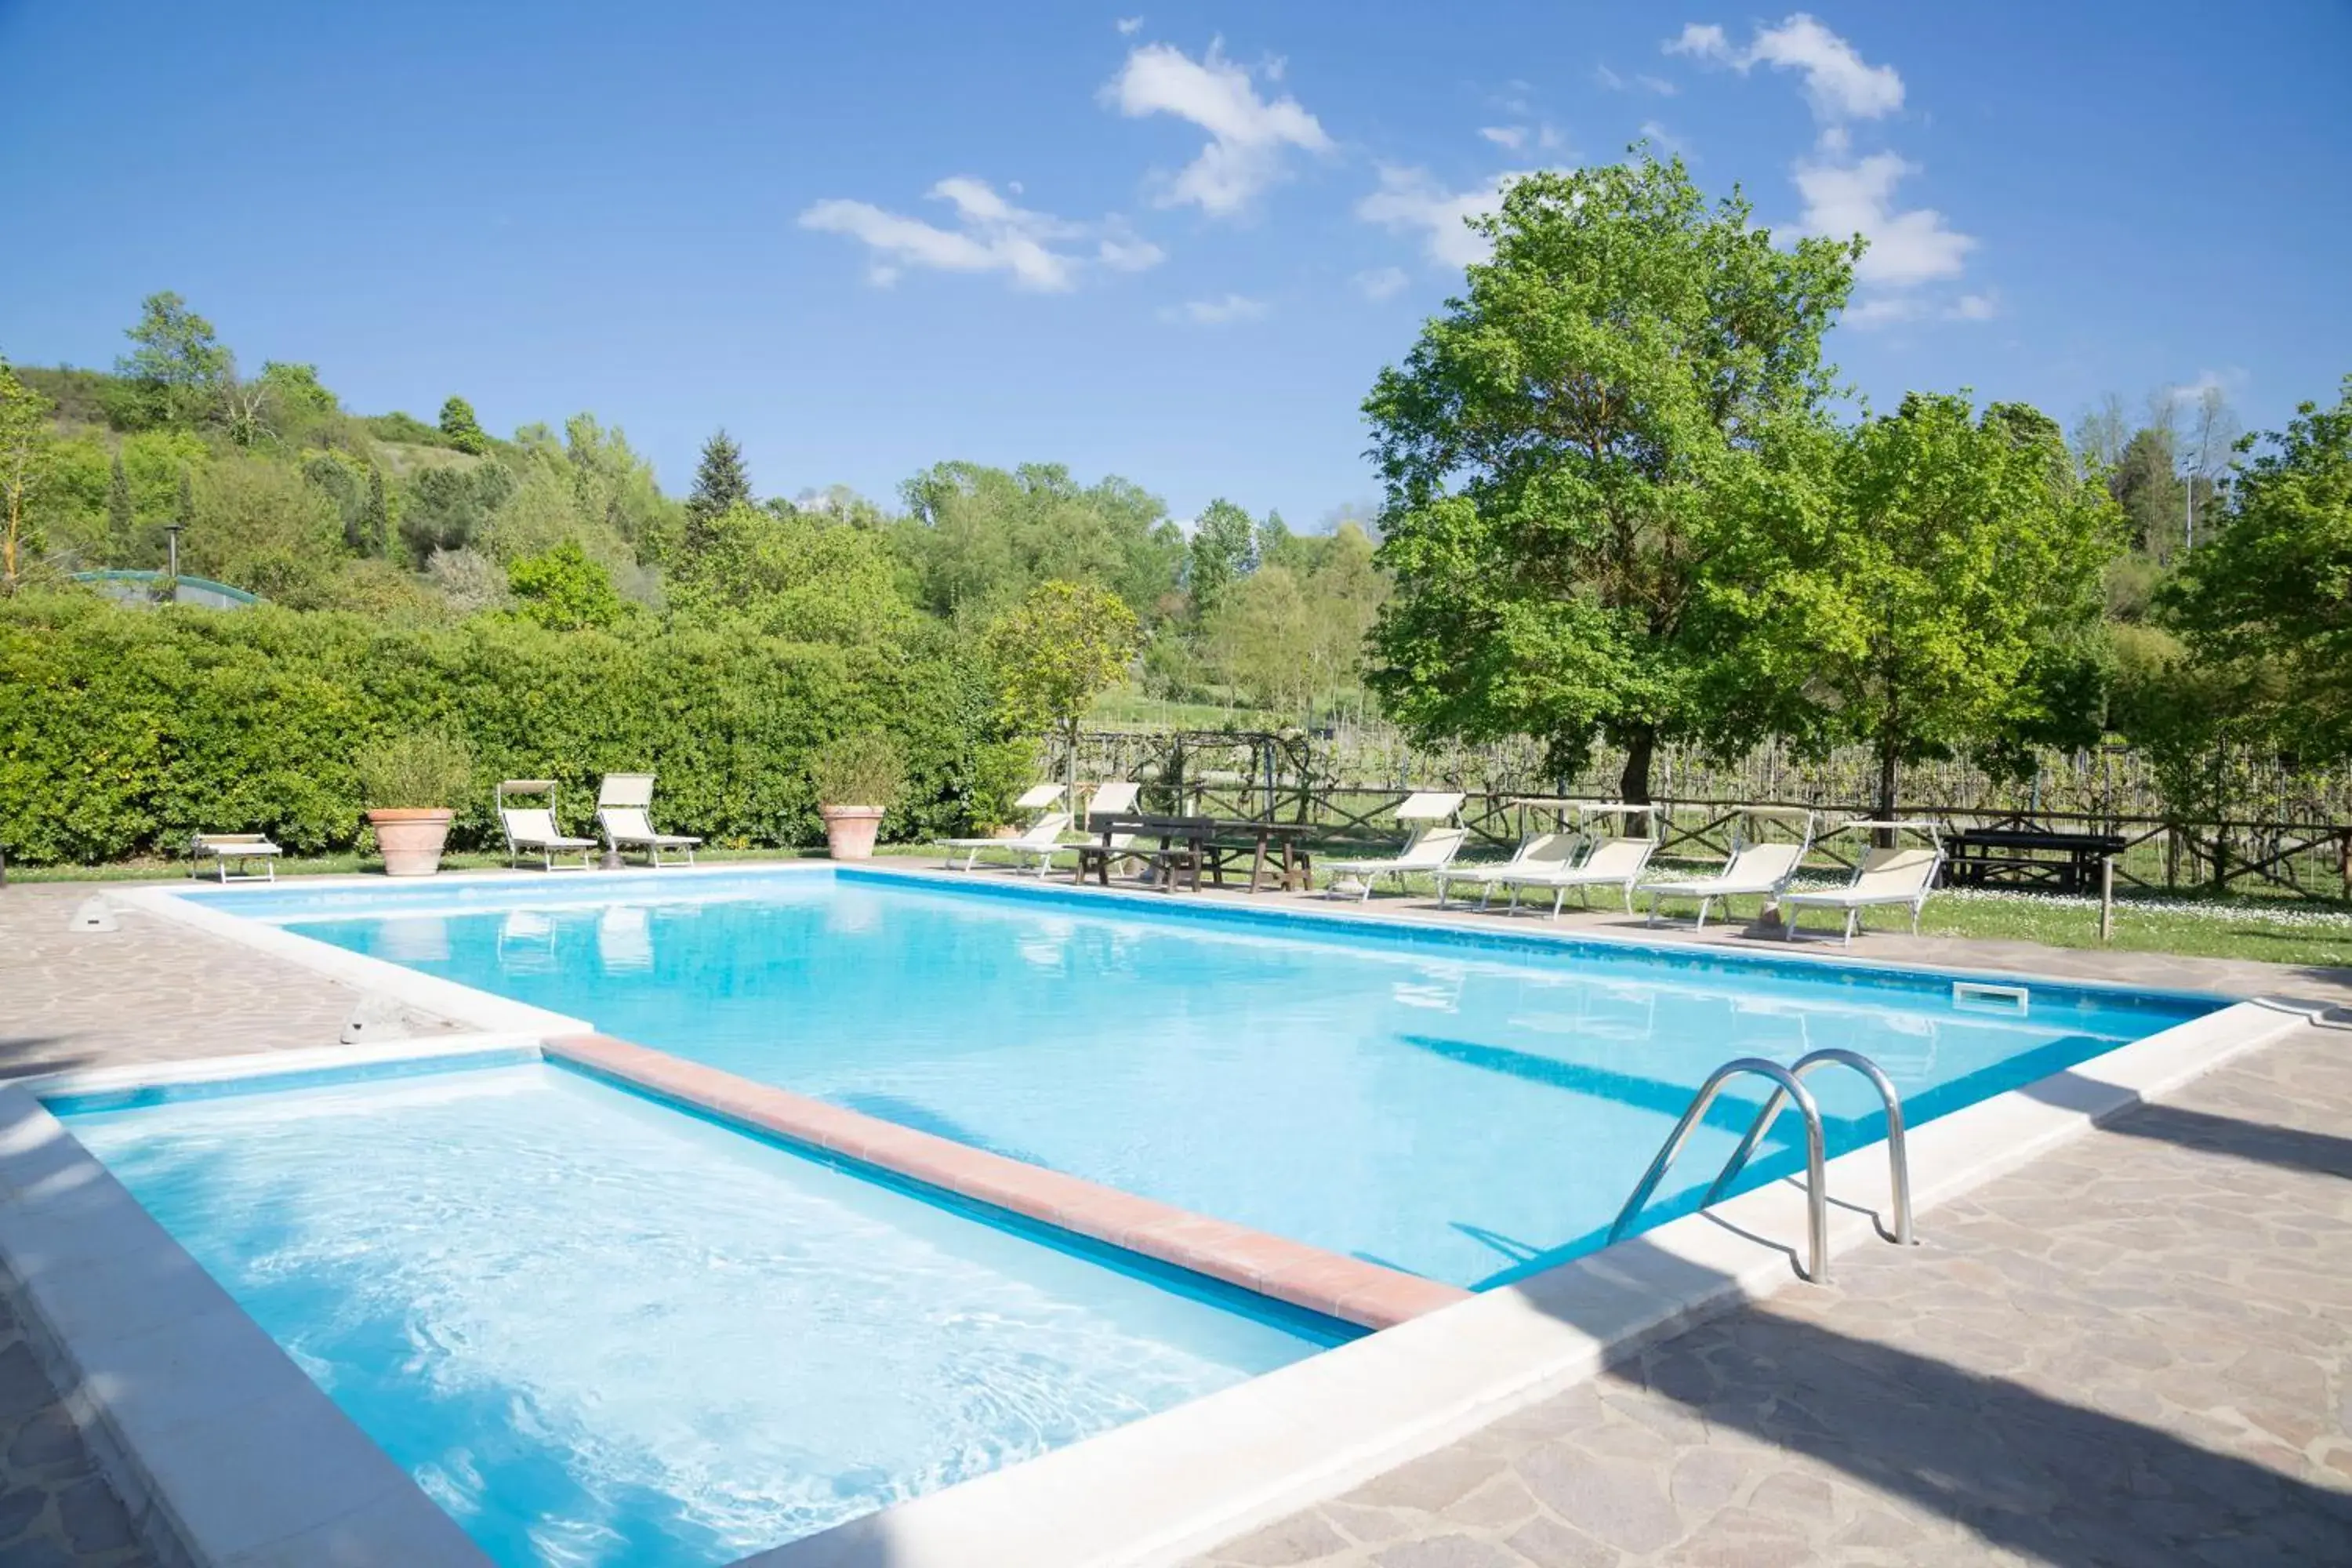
[
  {"x": 978, "y": 539},
  {"x": 1223, "y": 550},
  {"x": 1054, "y": 651},
  {"x": 1926, "y": 593},
  {"x": 422, "y": 771},
  {"x": 2267, "y": 605},
  {"x": 124, "y": 730},
  {"x": 261, "y": 525},
  {"x": 448, "y": 506},
  {"x": 176, "y": 367},
  {"x": 24, "y": 443},
  {"x": 460, "y": 429},
  {"x": 564, "y": 591},
  {"x": 122, "y": 521},
  {"x": 1292, "y": 633},
  {"x": 792, "y": 574},
  {"x": 404, "y": 429},
  {"x": 862, "y": 769},
  {"x": 374, "y": 537},
  {"x": 1557, "y": 446},
  {"x": 722, "y": 484}
]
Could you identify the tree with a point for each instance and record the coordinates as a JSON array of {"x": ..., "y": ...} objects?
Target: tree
[
  {"x": 448, "y": 506},
  {"x": 1223, "y": 550},
  {"x": 795, "y": 575},
  {"x": 2274, "y": 587},
  {"x": 1055, "y": 651},
  {"x": 178, "y": 364},
  {"x": 1929, "y": 594},
  {"x": 976, "y": 539},
  {"x": 2213, "y": 432},
  {"x": 1554, "y": 447},
  {"x": 2147, "y": 485},
  {"x": 376, "y": 517},
  {"x": 122, "y": 521},
  {"x": 25, "y": 440},
  {"x": 564, "y": 591},
  {"x": 720, "y": 484},
  {"x": 462, "y": 429}
]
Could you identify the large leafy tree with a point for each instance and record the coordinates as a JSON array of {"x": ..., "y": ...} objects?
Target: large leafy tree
[
  {"x": 977, "y": 539},
  {"x": 178, "y": 367},
  {"x": 1054, "y": 652},
  {"x": 1554, "y": 445},
  {"x": 1222, "y": 551},
  {"x": 462, "y": 429},
  {"x": 2270, "y": 596},
  {"x": 1934, "y": 588}
]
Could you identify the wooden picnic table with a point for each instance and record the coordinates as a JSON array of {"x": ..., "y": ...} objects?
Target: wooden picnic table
[
  {"x": 2029, "y": 857},
  {"x": 1188, "y": 845}
]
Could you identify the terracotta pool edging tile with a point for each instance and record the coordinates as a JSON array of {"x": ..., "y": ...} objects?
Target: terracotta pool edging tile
[{"x": 1292, "y": 1272}]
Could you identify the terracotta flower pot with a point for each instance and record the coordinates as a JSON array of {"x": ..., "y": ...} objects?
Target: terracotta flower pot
[
  {"x": 411, "y": 839},
  {"x": 850, "y": 830}
]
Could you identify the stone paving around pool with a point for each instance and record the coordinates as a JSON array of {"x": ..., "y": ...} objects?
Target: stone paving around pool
[{"x": 2136, "y": 1350}]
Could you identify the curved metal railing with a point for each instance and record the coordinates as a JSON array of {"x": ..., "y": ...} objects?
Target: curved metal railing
[
  {"x": 1789, "y": 1087},
  {"x": 1817, "y": 1267}
]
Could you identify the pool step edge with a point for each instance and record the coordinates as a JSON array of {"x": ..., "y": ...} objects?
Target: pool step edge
[{"x": 1292, "y": 1272}]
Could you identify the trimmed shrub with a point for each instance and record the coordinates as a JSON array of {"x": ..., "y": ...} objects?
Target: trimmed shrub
[{"x": 122, "y": 731}]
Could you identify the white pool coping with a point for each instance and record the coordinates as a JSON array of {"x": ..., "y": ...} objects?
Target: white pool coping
[{"x": 1157, "y": 1491}]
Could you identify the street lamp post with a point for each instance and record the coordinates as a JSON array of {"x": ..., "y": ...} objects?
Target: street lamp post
[{"x": 172, "y": 570}]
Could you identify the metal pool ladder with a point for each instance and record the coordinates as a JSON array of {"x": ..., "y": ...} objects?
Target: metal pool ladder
[{"x": 1787, "y": 1085}]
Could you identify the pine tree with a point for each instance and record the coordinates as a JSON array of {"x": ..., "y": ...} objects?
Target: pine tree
[
  {"x": 463, "y": 431},
  {"x": 376, "y": 520},
  {"x": 120, "y": 521},
  {"x": 721, "y": 482}
]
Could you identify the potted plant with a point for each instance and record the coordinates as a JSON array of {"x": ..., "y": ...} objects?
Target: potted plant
[
  {"x": 856, "y": 778},
  {"x": 410, "y": 782}
]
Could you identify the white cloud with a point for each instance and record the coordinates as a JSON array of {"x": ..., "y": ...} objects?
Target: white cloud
[
  {"x": 1839, "y": 84},
  {"x": 1846, "y": 193},
  {"x": 1248, "y": 136},
  {"x": 1380, "y": 282},
  {"x": 1652, "y": 131},
  {"x": 1511, "y": 136},
  {"x": 991, "y": 234},
  {"x": 1218, "y": 312},
  {"x": 1411, "y": 199},
  {"x": 1906, "y": 248},
  {"x": 1608, "y": 78},
  {"x": 1658, "y": 85},
  {"x": 1129, "y": 25},
  {"x": 2231, "y": 380}
]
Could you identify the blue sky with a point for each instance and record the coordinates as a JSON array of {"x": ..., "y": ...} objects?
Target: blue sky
[{"x": 1173, "y": 243}]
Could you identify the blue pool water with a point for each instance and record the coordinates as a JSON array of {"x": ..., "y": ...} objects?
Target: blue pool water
[
  {"x": 602, "y": 1331},
  {"x": 1467, "y": 1107}
]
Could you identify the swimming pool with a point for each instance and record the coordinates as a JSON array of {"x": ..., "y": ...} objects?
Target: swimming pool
[
  {"x": 1470, "y": 1107},
  {"x": 598, "y": 1331}
]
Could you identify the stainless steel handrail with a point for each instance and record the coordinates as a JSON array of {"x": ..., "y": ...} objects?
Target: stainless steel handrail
[
  {"x": 1817, "y": 1267},
  {"x": 1898, "y": 1176}
]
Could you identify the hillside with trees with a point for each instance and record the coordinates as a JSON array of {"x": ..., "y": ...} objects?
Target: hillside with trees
[{"x": 1628, "y": 510}]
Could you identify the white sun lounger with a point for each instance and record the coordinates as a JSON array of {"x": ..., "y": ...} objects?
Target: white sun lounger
[
  {"x": 1431, "y": 851},
  {"x": 624, "y": 804},
  {"x": 532, "y": 830},
  {"x": 1038, "y": 842},
  {"x": 1613, "y": 863},
  {"x": 1759, "y": 869},
  {"x": 246, "y": 848},
  {"x": 1896, "y": 875},
  {"x": 1546, "y": 852}
]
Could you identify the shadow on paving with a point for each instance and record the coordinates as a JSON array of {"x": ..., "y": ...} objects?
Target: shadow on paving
[
  {"x": 2034, "y": 1475},
  {"x": 2288, "y": 1148}
]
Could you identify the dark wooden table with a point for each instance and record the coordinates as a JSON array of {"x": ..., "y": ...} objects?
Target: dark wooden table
[
  {"x": 1188, "y": 845},
  {"x": 2028, "y": 856}
]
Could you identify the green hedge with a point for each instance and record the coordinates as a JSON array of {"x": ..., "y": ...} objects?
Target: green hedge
[{"x": 122, "y": 731}]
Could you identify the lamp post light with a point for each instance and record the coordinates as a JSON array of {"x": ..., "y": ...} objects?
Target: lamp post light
[{"x": 172, "y": 570}]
